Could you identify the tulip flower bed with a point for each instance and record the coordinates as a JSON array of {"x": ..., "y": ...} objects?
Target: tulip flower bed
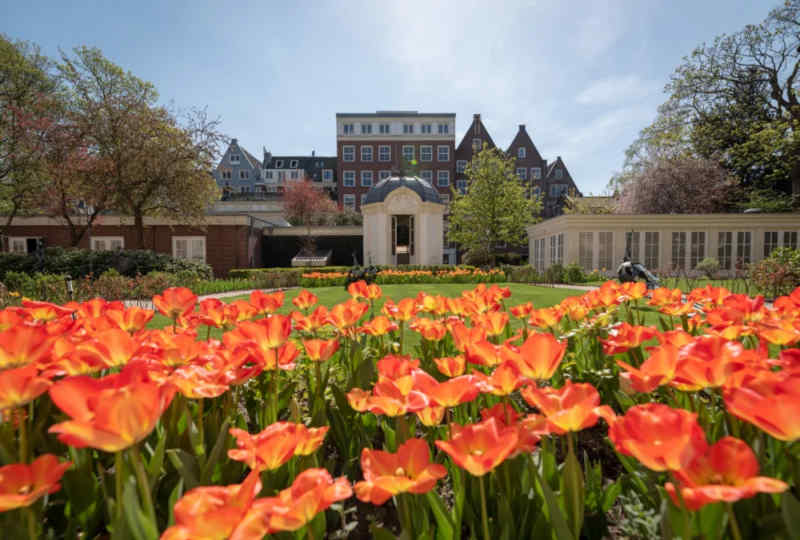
[
  {"x": 325, "y": 422},
  {"x": 390, "y": 276}
]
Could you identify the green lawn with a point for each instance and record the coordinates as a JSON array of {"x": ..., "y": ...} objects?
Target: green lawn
[{"x": 329, "y": 296}]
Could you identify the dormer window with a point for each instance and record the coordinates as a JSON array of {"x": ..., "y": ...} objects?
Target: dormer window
[
  {"x": 279, "y": 164},
  {"x": 293, "y": 164},
  {"x": 521, "y": 152},
  {"x": 235, "y": 158},
  {"x": 559, "y": 174},
  {"x": 476, "y": 145}
]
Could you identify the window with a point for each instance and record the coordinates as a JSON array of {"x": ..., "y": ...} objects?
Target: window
[
  {"x": 366, "y": 129},
  {"x": 521, "y": 152},
  {"x": 293, "y": 164},
  {"x": 445, "y": 198},
  {"x": 553, "y": 249},
  {"x": 539, "y": 257},
  {"x": 348, "y": 153},
  {"x": 366, "y": 153},
  {"x": 366, "y": 178},
  {"x": 698, "y": 249},
  {"x": 281, "y": 176},
  {"x": 651, "y": 250},
  {"x": 560, "y": 249},
  {"x": 606, "y": 250},
  {"x": 235, "y": 158},
  {"x": 426, "y": 152},
  {"x": 770, "y": 242},
  {"x": 443, "y": 153},
  {"x": 363, "y": 199},
  {"x": 349, "y": 179},
  {"x": 244, "y": 174},
  {"x": 107, "y": 243},
  {"x": 23, "y": 244},
  {"x": 408, "y": 152},
  {"x": 426, "y": 128},
  {"x": 384, "y": 174},
  {"x": 293, "y": 175},
  {"x": 742, "y": 248},
  {"x": 461, "y": 165},
  {"x": 279, "y": 164},
  {"x": 559, "y": 174},
  {"x": 443, "y": 178},
  {"x": 477, "y": 144},
  {"x": 725, "y": 250},
  {"x": 790, "y": 239},
  {"x": 268, "y": 175},
  {"x": 383, "y": 128},
  {"x": 244, "y": 189},
  {"x": 461, "y": 185},
  {"x": 444, "y": 129},
  {"x": 408, "y": 128},
  {"x": 327, "y": 175},
  {"x": 537, "y": 191},
  {"x": 348, "y": 129},
  {"x": 189, "y": 247},
  {"x": 679, "y": 250},
  {"x": 384, "y": 152},
  {"x": 522, "y": 172},
  {"x": 349, "y": 201},
  {"x": 427, "y": 176},
  {"x": 557, "y": 189},
  {"x": 226, "y": 175},
  {"x": 536, "y": 173},
  {"x": 586, "y": 250},
  {"x": 632, "y": 245}
]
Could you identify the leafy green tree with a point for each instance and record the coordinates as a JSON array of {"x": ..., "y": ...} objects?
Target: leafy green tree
[{"x": 494, "y": 210}]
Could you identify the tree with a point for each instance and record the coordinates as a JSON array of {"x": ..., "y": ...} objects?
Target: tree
[
  {"x": 305, "y": 205},
  {"x": 678, "y": 185},
  {"x": 494, "y": 210},
  {"x": 28, "y": 92}
]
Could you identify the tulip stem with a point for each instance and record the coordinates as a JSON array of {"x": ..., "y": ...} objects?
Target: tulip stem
[
  {"x": 31, "y": 523},
  {"x": 735, "y": 531},
  {"x": 685, "y": 509},
  {"x": 484, "y": 515},
  {"x": 118, "y": 479},
  {"x": 144, "y": 484},
  {"x": 23, "y": 437}
]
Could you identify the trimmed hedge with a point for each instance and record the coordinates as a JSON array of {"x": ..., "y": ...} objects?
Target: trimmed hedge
[{"x": 78, "y": 263}]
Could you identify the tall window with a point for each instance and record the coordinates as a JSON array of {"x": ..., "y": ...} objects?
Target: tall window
[
  {"x": 790, "y": 239},
  {"x": 348, "y": 153},
  {"x": 443, "y": 179},
  {"x": 366, "y": 129},
  {"x": 538, "y": 254},
  {"x": 770, "y": 242},
  {"x": 327, "y": 175},
  {"x": 461, "y": 165},
  {"x": 560, "y": 249},
  {"x": 698, "y": 249},
  {"x": 363, "y": 199},
  {"x": 586, "y": 250},
  {"x": 536, "y": 173},
  {"x": 632, "y": 245},
  {"x": 383, "y": 128},
  {"x": 606, "y": 250},
  {"x": 244, "y": 174},
  {"x": 366, "y": 178},
  {"x": 679, "y": 250},
  {"x": 408, "y": 152},
  {"x": 349, "y": 201},
  {"x": 725, "y": 249},
  {"x": 426, "y": 152},
  {"x": 426, "y": 128},
  {"x": 651, "y": 250},
  {"x": 349, "y": 179},
  {"x": 553, "y": 249},
  {"x": 521, "y": 152},
  {"x": 408, "y": 128},
  {"x": 743, "y": 243},
  {"x": 366, "y": 153},
  {"x": 348, "y": 129},
  {"x": 107, "y": 243},
  {"x": 461, "y": 185},
  {"x": 443, "y": 153},
  {"x": 226, "y": 175},
  {"x": 522, "y": 172},
  {"x": 235, "y": 158},
  {"x": 559, "y": 174},
  {"x": 476, "y": 144},
  {"x": 384, "y": 152},
  {"x": 444, "y": 129},
  {"x": 189, "y": 247}
]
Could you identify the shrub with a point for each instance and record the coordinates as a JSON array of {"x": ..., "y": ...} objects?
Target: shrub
[
  {"x": 554, "y": 273},
  {"x": 111, "y": 285},
  {"x": 778, "y": 274},
  {"x": 708, "y": 267},
  {"x": 522, "y": 274},
  {"x": 573, "y": 273}
]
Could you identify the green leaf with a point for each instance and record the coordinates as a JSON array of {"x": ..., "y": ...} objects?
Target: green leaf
[
  {"x": 610, "y": 495},
  {"x": 156, "y": 463},
  {"x": 186, "y": 466},
  {"x": 444, "y": 524},
  {"x": 216, "y": 452},
  {"x": 138, "y": 523},
  {"x": 711, "y": 519},
  {"x": 573, "y": 491},
  {"x": 175, "y": 494},
  {"x": 790, "y": 508},
  {"x": 556, "y": 517},
  {"x": 380, "y": 533}
]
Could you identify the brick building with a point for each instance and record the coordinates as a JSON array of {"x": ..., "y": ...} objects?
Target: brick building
[{"x": 369, "y": 146}]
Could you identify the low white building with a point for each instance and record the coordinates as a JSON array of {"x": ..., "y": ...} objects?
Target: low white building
[{"x": 662, "y": 242}]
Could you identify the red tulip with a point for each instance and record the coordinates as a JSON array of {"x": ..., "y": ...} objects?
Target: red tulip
[
  {"x": 175, "y": 302},
  {"x": 266, "y": 302},
  {"x": 479, "y": 448},
  {"x": 22, "y": 484},
  {"x": 320, "y": 350},
  {"x": 305, "y": 299},
  {"x": 573, "y": 407},
  {"x": 21, "y": 385}
]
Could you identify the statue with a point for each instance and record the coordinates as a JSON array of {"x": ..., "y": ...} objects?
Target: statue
[{"x": 629, "y": 271}]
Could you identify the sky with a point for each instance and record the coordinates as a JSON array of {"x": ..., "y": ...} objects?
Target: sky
[{"x": 583, "y": 76}]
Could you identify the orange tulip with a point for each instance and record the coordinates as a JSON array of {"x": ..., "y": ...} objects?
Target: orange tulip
[
  {"x": 658, "y": 369},
  {"x": 770, "y": 401},
  {"x": 9, "y": 318},
  {"x": 216, "y": 313},
  {"x": 320, "y": 350},
  {"x": 175, "y": 302},
  {"x": 213, "y": 512},
  {"x": 431, "y": 415},
  {"x": 454, "y": 391},
  {"x": 573, "y": 407},
  {"x": 545, "y": 317},
  {"x": 522, "y": 311},
  {"x": 431, "y": 304},
  {"x": 343, "y": 316},
  {"x": 111, "y": 413},
  {"x": 538, "y": 357},
  {"x": 387, "y": 398},
  {"x": 727, "y": 471},
  {"x": 625, "y": 336},
  {"x": 21, "y": 385},
  {"x": 379, "y": 326},
  {"x": 266, "y": 450},
  {"x": 494, "y": 322},
  {"x": 660, "y": 437},
  {"x": 266, "y": 303},
  {"x": 305, "y": 299},
  {"x": 429, "y": 329},
  {"x": 313, "y": 322},
  {"x": 130, "y": 319},
  {"x": 24, "y": 344},
  {"x": 452, "y": 366},
  {"x": 197, "y": 382},
  {"x": 663, "y": 297},
  {"x": 264, "y": 334},
  {"x": 484, "y": 353},
  {"x": 112, "y": 347},
  {"x": 464, "y": 336},
  {"x": 44, "y": 311},
  {"x": 22, "y": 484},
  {"x": 402, "y": 311},
  {"x": 504, "y": 380},
  {"x": 708, "y": 361},
  {"x": 386, "y": 474},
  {"x": 678, "y": 338},
  {"x": 309, "y": 439},
  {"x": 312, "y": 492},
  {"x": 357, "y": 289},
  {"x": 479, "y": 448}
]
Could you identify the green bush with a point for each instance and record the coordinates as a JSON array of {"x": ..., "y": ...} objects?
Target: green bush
[
  {"x": 778, "y": 274},
  {"x": 38, "y": 286},
  {"x": 554, "y": 273},
  {"x": 573, "y": 273},
  {"x": 522, "y": 274},
  {"x": 708, "y": 267}
]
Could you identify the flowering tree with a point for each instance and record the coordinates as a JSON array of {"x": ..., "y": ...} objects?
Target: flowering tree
[{"x": 307, "y": 205}]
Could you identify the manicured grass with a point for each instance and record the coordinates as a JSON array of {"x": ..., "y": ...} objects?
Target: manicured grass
[{"x": 329, "y": 296}]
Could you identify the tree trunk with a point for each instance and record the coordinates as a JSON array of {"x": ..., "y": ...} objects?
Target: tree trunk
[{"x": 138, "y": 223}]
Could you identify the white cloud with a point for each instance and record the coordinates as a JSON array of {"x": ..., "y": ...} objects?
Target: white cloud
[{"x": 616, "y": 89}]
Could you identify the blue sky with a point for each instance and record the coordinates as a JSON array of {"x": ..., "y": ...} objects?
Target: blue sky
[{"x": 584, "y": 76}]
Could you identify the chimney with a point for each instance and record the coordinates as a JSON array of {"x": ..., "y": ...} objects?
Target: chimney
[
  {"x": 312, "y": 153},
  {"x": 476, "y": 116},
  {"x": 234, "y": 141},
  {"x": 522, "y": 127}
]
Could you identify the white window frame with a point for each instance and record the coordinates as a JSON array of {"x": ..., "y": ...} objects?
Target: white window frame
[
  {"x": 363, "y": 199},
  {"x": 407, "y": 147},
  {"x": 23, "y": 239},
  {"x": 349, "y": 150},
  {"x": 106, "y": 240},
  {"x": 443, "y": 148},
  {"x": 279, "y": 164},
  {"x": 522, "y": 172},
  {"x": 237, "y": 160},
  {"x": 384, "y": 129},
  {"x": 366, "y": 129},
  {"x": 294, "y": 175},
  {"x": 384, "y": 152},
  {"x": 368, "y": 148},
  {"x": 426, "y": 152},
  {"x": 427, "y": 129},
  {"x": 226, "y": 175},
  {"x": 327, "y": 175},
  {"x": 461, "y": 185},
  {"x": 461, "y": 165},
  {"x": 345, "y": 174},
  {"x": 444, "y": 129},
  {"x": 445, "y": 198},
  {"x": 440, "y": 175},
  {"x": 189, "y": 247},
  {"x": 348, "y": 129},
  {"x": 293, "y": 164},
  {"x": 408, "y": 129},
  {"x": 268, "y": 175},
  {"x": 536, "y": 173},
  {"x": 244, "y": 175},
  {"x": 349, "y": 201},
  {"x": 477, "y": 144},
  {"x": 521, "y": 152},
  {"x": 364, "y": 181},
  {"x": 427, "y": 175}
]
